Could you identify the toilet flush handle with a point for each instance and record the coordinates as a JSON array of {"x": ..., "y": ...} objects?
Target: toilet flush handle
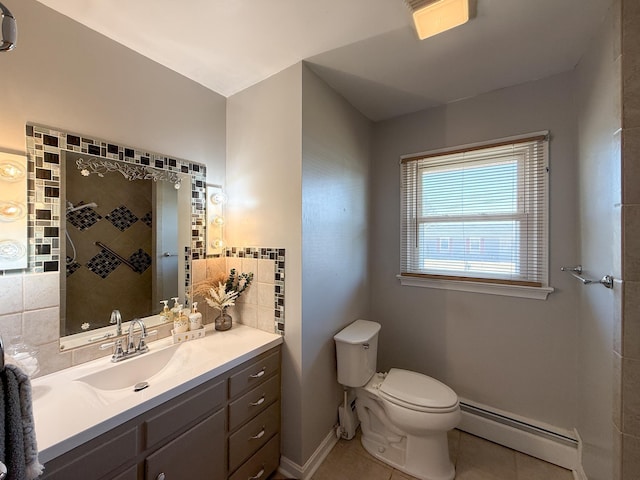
[{"x": 366, "y": 346}]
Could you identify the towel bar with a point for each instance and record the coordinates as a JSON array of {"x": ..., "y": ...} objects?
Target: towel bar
[
  {"x": 1, "y": 367},
  {"x": 576, "y": 271}
]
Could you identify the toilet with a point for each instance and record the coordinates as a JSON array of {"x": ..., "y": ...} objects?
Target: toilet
[{"x": 404, "y": 415}]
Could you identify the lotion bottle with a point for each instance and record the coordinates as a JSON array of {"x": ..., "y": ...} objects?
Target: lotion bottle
[
  {"x": 180, "y": 320},
  {"x": 195, "y": 318},
  {"x": 166, "y": 313}
]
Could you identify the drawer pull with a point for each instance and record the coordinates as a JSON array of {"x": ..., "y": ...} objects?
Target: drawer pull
[
  {"x": 257, "y": 475},
  {"x": 259, "y": 374},
  {"x": 259, "y": 402},
  {"x": 161, "y": 476},
  {"x": 258, "y": 435}
]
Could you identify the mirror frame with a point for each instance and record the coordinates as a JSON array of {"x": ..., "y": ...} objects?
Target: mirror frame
[{"x": 45, "y": 148}]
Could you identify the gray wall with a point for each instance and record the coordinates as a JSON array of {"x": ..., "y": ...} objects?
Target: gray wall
[
  {"x": 598, "y": 120},
  {"x": 264, "y": 151},
  {"x": 298, "y": 161},
  {"x": 64, "y": 75},
  {"x": 335, "y": 170},
  {"x": 514, "y": 354}
]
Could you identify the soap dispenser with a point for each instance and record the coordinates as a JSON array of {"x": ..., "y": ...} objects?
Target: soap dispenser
[
  {"x": 180, "y": 320},
  {"x": 166, "y": 312},
  {"x": 195, "y": 318}
]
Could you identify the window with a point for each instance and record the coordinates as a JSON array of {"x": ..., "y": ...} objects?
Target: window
[{"x": 477, "y": 213}]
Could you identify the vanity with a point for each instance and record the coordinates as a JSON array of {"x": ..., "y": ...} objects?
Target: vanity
[{"x": 211, "y": 411}]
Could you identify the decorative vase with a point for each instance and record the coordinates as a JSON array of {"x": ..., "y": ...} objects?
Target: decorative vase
[{"x": 223, "y": 321}]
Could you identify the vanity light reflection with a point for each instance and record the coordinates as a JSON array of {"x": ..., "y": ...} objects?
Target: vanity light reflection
[{"x": 11, "y": 171}]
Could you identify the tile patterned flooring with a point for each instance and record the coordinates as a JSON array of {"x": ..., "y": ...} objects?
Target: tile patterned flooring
[{"x": 473, "y": 457}]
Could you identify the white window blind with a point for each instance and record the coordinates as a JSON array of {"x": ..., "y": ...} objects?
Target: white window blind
[{"x": 477, "y": 213}]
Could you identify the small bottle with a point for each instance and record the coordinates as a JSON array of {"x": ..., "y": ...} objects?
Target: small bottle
[
  {"x": 180, "y": 320},
  {"x": 166, "y": 313},
  {"x": 195, "y": 318}
]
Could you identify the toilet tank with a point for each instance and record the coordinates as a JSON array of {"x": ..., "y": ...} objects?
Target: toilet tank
[{"x": 356, "y": 352}]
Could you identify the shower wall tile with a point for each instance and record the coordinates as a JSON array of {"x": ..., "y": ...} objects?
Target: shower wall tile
[
  {"x": 631, "y": 320},
  {"x": 630, "y": 397},
  {"x": 618, "y": 313},
  {"x": 631, "y": 457},
  {"x": 631, "y": 242},
  {"x": 617, "y": 391},
  {"x": 11, "y": 294},
  {"x": 41, "y": 326},
  {"x": 631, "y": 165},
  {"x": 631, "y": 63}
]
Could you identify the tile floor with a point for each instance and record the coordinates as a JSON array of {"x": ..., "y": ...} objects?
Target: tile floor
[{"x": 474, "y": 458}]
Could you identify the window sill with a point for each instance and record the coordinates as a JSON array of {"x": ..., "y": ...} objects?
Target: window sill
[{"x": 536, "y": 293}]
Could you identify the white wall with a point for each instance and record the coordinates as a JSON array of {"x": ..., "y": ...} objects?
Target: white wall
[
  {"x": 64, "y": 75},
  {"x": 598, "y": 119},
  {"x": 514, "y": 354},
  {"x": 335, "y": 174},
  {"x": 264, "y": 175}
]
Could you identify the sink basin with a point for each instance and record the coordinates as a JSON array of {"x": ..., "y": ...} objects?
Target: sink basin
[{"x": 126, "y": 373}]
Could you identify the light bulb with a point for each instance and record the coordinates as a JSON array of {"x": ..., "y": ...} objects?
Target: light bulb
[
  {"x": 11, "y": 211},
  {"x": 11, "y": 171},
  {"x": 217, "y": 221},
  {"x": 217, "y": 243},
  {"x": 11, "y": 250},
  {"x": 218, "y": 198}
]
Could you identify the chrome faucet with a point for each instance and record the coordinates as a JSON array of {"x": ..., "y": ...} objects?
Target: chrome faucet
[
  {"x": 142, "y": 346},
  {"x": 132, "y": 350},
  {"x": 116, "y": 319}
]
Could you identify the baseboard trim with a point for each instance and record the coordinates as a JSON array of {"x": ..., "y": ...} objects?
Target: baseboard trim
[
  {"x": 291, "y": 469},
  {"x": 521, "y": 435}
]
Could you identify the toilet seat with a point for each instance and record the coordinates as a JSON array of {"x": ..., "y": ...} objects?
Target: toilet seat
[{"x": 417, "y": 392}]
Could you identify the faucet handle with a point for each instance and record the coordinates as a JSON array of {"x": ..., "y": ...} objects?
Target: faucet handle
[{"x": 142, "y": 345}]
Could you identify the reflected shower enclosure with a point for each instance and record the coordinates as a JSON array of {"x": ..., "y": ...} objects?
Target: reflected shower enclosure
[{"x": 110, "y": 245}]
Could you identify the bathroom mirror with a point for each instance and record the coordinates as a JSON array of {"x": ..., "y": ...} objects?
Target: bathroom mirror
[
  {"x": 119, "y": 231},
  {"x": 112, "y": 234}
]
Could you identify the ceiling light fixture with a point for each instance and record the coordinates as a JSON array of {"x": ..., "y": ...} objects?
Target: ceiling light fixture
[
  {"x": 8, "y": 29},
  {"x": 431, "y": 17}
]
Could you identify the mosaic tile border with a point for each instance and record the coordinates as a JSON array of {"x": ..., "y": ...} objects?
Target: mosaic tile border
[
  {"x": 45, "y": 147},
  {"x": 278, "y": 255}
]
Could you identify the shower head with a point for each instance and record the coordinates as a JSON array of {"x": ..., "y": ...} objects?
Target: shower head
[{"x": 8, "y": 30}]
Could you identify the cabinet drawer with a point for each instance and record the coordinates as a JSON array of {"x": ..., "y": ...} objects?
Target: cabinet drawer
[
  {"x": 171, "y": 420},
  {"x": 262, "y": 464},
  {"x": 254, "y": 374},
  {"x": 248, "y": 439},
  {"x": 254, "y": 402},
  {"x": 196, "y": 454}
]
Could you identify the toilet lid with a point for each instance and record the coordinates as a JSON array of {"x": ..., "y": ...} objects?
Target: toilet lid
[{"x": 415, "y": 389}]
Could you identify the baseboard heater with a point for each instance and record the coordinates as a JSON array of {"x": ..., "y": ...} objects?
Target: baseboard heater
[{"x": 519, "y": 425}]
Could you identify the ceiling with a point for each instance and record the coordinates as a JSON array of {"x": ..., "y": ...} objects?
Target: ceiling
[{"x": 365, "y": 49}]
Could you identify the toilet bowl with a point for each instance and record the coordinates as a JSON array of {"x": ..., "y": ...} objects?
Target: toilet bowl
[{"x": 405, "y": 415}]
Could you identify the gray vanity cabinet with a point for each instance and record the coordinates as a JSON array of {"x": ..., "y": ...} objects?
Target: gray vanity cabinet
[{"x": 226, "y": 428}]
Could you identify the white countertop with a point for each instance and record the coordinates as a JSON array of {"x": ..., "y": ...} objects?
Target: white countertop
[{"x": 68, "y": 412}]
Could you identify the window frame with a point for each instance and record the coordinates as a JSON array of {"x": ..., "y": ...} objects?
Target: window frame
[{"x": 486, "y": 282}]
